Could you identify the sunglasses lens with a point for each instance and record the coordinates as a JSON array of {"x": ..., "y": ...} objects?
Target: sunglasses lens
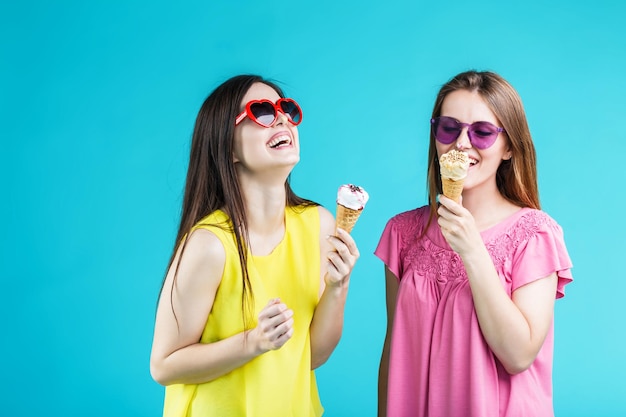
[
  {"x": 483, "y": 134},
  {"x": 446, "y": 129},
  {"x": 264, "y": 113},
  {"x": 292, "y": 110}
]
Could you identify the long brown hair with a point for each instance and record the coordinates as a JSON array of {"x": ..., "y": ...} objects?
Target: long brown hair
[
  {"x": 212, "y": 182},
  {"x": 516, "y": 178}
]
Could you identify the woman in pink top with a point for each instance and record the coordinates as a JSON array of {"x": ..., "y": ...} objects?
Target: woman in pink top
[{"x": 471, "y": 286}]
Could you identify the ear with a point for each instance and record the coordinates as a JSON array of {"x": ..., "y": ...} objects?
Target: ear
[{"x": 508, "y": 155}]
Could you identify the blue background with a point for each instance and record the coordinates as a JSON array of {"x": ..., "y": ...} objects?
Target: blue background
[{"x": 97, "y": 104}]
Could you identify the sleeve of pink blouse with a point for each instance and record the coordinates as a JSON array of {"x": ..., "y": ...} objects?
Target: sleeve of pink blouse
[
  {"x": 543, "y": 254},
  {"x": 389, "y": 247}
]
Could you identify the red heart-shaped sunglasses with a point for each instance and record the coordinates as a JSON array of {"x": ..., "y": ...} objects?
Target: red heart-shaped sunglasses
[{"x": 265, "y": 112}]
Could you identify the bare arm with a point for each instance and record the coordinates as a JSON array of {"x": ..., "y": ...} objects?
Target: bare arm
[
  {"x": 515, "y": 328},
  {"x": 339, "y": 254},
  {"x": 177, "y": 354},
  {"x": 383, "y": 371}
]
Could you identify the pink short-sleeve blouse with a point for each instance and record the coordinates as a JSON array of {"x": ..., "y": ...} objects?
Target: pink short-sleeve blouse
[{"x": 440, "y": 364}]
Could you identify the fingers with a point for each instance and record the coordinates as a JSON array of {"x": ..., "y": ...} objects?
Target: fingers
[
  {"x": 337, "y": 267},
  {"x": 344, "y": 244},
  {"x": 457, "y": 226},
  {"x": 450, "y": 222},
  {"x": 342, "y": 259},
  {"x": 275, "y": 324},
  {"x": 447, "y": 205}
]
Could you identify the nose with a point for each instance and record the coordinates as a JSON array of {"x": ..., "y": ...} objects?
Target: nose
[
  {"x": 281, "y": 118},
  {"x": 463, "y": 141}
]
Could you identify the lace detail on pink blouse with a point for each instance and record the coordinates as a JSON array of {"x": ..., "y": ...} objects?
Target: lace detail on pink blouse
[
  {"x": 516, "y": 235},
  {"x": 432, "y": 257}
]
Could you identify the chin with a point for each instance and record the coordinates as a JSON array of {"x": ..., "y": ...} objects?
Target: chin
[{"x": 293, "y": 160}]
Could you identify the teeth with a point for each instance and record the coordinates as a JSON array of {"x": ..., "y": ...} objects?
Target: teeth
[{"x": 278, "y": 140}]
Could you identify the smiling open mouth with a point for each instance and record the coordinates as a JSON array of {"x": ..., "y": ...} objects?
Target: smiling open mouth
[{"x": 279, "y": 142}]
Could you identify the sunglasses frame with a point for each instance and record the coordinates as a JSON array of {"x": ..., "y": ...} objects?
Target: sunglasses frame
[
  {"x": 277, "y": 108},
  {"x": 479, "y": 143}
]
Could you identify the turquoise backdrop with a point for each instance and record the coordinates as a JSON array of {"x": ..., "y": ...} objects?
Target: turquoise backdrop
[{"x": 97, "y": 104}]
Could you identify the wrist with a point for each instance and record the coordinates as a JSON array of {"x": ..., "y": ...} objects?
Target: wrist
[
  {"x": 252, "y": 343},
  {"x": 474, "y": 253},
  {"x": 338, "y": 287}
]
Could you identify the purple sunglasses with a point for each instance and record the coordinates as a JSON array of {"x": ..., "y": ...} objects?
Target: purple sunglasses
[{"x": 481, "y": 134}]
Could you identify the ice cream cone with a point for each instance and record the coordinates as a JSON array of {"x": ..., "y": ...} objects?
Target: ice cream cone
[
  {"x": 347, "y": 217},
  {"x": 351, "y": 200},
  {"x": 453, "y": 166},
  {"x": 452, "y": 189}
]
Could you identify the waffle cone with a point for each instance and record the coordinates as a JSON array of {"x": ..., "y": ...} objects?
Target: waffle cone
[
  {"x": 347, "y": 217},
  {"x": 452, "y": 189}
]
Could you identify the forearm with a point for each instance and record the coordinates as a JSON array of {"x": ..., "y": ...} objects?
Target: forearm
[
  {"x": 198, "y": 363},
  {"x": 504, "y": 327},
  {"x": 327, "y": 323},
  {"x": 383, "y": 376},
  {"x": 391, "y": 290}
]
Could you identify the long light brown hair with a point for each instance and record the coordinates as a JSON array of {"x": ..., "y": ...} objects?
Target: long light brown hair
[
  {"x": 516, "y": 178},
  {"x": 212, "y": 182}
]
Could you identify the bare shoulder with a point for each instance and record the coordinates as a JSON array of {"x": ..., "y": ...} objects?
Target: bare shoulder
[
  {"x": 327, "y": 220},
  {"x": 203, "y": 256},
  {"x": 204, "y": 244}
]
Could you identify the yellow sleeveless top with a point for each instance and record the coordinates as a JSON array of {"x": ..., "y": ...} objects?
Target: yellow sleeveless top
[{"x": 279, "y": 383}]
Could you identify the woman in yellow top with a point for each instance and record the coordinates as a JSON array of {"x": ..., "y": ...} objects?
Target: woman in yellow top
[{"x": 254, "y": 296}]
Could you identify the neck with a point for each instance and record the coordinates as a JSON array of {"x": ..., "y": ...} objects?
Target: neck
[
  {"x": 265, "y": 208},
  {"x": 264, "y": 204},
  {"x": 264, "y": 197},
  {"x": 488, "y": 209}
]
